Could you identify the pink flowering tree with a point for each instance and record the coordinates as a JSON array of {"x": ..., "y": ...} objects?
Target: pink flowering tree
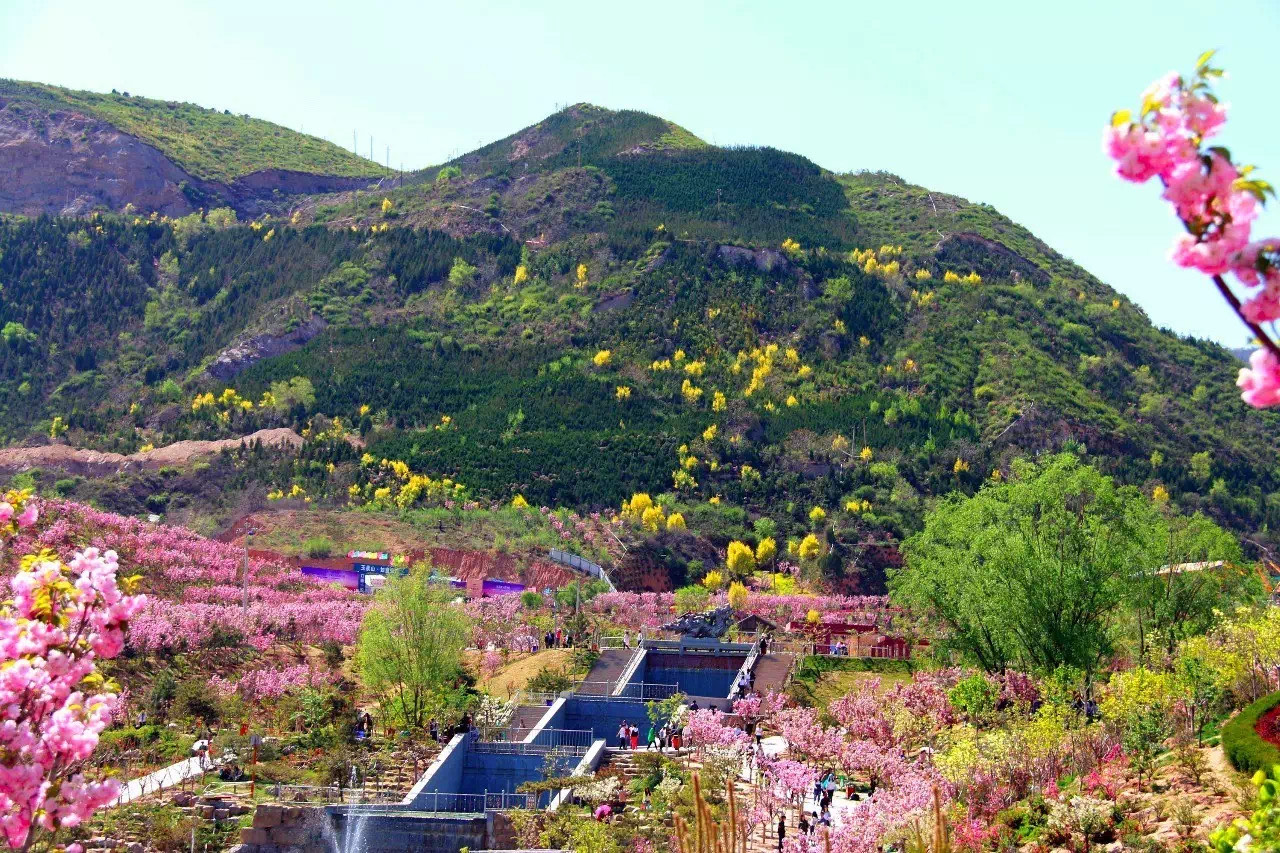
[
  {"x": 1216, "y": 201},
  {"x": 62, "y": 618}
]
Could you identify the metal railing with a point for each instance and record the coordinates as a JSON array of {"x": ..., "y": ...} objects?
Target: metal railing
[
  {"x": 532, "y": 741},
  {"x": 472, "y": 803},
  {"x": 644, "y": 691},
  {"x": 582, "y": 565},
  {"x": 736, "y": 690},
  {"x": 315, "y": 794},
  {"x": 690, "y": 646}
]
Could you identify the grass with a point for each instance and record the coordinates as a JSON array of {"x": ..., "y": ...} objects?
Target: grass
[
  {"x": 209, "y": 144},
  {"x": 515, "y": 675},
  {"x": 820, "y": 681}
]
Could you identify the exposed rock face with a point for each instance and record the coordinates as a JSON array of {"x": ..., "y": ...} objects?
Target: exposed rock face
[
  {"x": 765, "y": 260},
  {"x": 252, "y": 350},
  {"x": 66, "y": 163}
]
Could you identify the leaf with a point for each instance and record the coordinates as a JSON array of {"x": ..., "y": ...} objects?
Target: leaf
[
  {"x": 1204, "y": 59},
  {"x": 1120, "y": 117}
]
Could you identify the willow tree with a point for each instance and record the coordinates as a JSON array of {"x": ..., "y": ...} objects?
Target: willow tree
[{"x": 410, "y": 647}]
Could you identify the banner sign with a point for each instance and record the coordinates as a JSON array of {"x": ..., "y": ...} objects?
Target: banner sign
[
  {"x": 370, "y": 568},
  {"x": 368, "y": 555},
  {"x": 349, "y": 579},
  {"x": 494, "y": 587}
]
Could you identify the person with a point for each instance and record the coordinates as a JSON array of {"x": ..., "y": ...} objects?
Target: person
[
  {"x": 142, "y": 718},
  {"x": 368, "y": 724},
  {"x": 693, "y": 706},
  {"x": 684, "y": 735},
  {"x": 434, "y": 729},
  {"x": 653, "y": 734},
  {"x": 624, "y": 731},
  {"x": 635, "y": 737},
  {"x": 782, "y": 831},
  {"x": 803, "y": 825},
  {"x": 826, "y": 817},
  {"x": 626, "y": 639}
]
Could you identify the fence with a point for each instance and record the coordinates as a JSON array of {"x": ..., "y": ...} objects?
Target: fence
[{"x": 575, "y": 562}]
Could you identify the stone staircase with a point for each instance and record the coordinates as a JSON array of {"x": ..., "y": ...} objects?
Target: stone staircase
[
  {"x": 772, "y": 671},
  {"x": 604, "y": 675}
]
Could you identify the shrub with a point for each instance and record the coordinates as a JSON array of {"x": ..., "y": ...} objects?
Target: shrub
[
  {"x": 318, "y": 546},
  {"x": 550, "y": 681},
  {"x": 1246, "y": 750},
  {"x": 195, "y": 699}
]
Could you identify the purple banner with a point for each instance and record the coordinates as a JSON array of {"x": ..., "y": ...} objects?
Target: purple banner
[
  {"x": 492, "y": 587},
  {"x": 346, "y": 577}
]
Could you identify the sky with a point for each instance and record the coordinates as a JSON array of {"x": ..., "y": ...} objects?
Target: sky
[{"x": 998, "y": 102}]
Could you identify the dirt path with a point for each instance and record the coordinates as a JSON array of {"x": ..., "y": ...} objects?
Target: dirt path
[{"x": 90, "y": 462}]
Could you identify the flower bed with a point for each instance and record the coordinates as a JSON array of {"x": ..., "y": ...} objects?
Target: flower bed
[{"x": 1242, "y": 741}]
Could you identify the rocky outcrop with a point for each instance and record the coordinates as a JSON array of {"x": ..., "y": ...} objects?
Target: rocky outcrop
[
  {"x": 252, "y": 350},
  {"x": 95, "y": 463},
  {"x": 62, "y": 162},
  {"x": 67, "y": 163},
  {"x": 765, "y": 260}
]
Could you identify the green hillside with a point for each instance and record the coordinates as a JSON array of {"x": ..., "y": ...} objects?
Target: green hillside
[
  {"x": 209, "y": 144},
  {"x": 573, "y": 334}
]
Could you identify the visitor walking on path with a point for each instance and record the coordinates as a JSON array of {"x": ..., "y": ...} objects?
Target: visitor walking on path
[
  {"x": 782, "y": 831},
  {"x": 624, "y": 732}
]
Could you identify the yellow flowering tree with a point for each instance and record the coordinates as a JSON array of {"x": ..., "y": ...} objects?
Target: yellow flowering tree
[
  {"x": 602, "y": 358},
  {"x": 740, "y": 559}
]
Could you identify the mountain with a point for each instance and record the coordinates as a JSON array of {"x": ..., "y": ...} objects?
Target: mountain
[
  {"x": 602, "y": 304},
  {"x": 69, "y": 152}
]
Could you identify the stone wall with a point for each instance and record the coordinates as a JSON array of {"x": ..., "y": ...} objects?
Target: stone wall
[{"x": 298, "y": 828}]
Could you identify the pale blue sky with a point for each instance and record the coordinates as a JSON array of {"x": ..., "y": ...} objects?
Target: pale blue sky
[{"x": 997, "y": 102}]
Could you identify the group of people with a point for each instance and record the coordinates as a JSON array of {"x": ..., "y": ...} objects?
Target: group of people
[
  {"x": 556, "y": 639},
  {"x": 668, "y": 735},
  {"x": 746, "y": 682},
  {"x": 840, "y": 647},
  {"x": 364, "y": 725}
]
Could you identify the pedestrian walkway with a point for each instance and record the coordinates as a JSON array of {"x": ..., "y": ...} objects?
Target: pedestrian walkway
[{"x": 165, "y": 777}]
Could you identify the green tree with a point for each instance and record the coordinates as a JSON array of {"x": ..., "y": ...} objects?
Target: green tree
[
  {"x": 1188, "y": 567},
  {"x": 1031, "y": 570},
  {"x": 289, "y": 393},
  {"x": 410, "y": 646},
  {"x": 1201, "y": 465},
  {"x": 461, "y": 273}
]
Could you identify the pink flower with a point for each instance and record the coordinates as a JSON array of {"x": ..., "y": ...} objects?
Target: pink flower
[
  {"x": 1260, "y": 381},
  {"x": 29, "y": 515}
]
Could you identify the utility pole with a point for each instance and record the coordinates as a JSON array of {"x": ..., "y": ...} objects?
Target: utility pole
[{"x": 355, "y": 147}]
